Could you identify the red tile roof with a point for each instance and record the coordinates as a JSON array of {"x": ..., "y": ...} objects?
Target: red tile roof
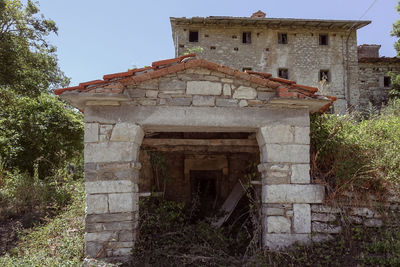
[{"x": 113, "y": 83}]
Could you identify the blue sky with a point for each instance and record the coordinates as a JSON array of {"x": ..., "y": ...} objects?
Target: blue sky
[{"x": 98, "y": 37}]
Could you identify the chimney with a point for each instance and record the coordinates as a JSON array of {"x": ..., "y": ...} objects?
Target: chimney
[
  {"x": 259, "y": 15},
  {"x": 368, "y": 51}
]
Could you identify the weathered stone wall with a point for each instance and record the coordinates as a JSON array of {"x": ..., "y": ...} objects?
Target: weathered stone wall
[
  {"x": 196, "y": 100},
  {"x": 302, "y": 56},
  {"x": 371, "y": 77},
  {"x": 201, "y": 88},
  {"x": 111, "y": 173},
  {"x": 287, "y": 194},
  {"x": 328, "y": 220}
]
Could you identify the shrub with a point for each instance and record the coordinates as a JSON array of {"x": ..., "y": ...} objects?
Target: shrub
[
  {"x": 24, "y": 195},
  {"x": 39, "y": 130},
  {"x": 349, "y": 153}
]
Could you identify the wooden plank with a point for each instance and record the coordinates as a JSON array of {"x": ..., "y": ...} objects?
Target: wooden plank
[
  {"x": 229, "y": 204},
  {"x": 199, "y": 142}
]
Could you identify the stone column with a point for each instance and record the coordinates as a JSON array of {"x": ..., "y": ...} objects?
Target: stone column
[
  {"x": 286, "y": 189},
  {"x": 112, "y": 195}
]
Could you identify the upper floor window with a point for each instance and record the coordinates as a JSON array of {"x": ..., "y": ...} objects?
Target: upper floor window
[
  {"x": 323, "y": 39},
  {"x": 282, "y": 38},
  {"x": 387, "y": 81},
  {"x": 324, "y": 75},
  {"x": 246, "y": 37},
  {"x": 283, "y": 73},
  {"x": 193, "y": 36}
]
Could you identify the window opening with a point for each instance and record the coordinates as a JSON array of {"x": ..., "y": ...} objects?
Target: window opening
[
  {"x": 324, "y": 75},
  {"x": 246, "y": 38},
  {"x": 283, "y": 73},
  {"x": 193, "y": 36},
  {"x": 282, "y": 38},
  {"x": 323, "y": 39}
]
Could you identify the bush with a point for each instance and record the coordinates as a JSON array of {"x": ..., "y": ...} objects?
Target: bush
[
  {"x": 357, "y": 154},
  {"x": 24, "y": 195},
  {"x": 39, "y": 130},
  {"x": 57, "y": 242}
]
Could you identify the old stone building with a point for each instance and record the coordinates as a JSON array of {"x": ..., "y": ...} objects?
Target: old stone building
[
  {"x": 304, "y": 50},
  {"x": 209, "y": 121},
  {"x": 375, "y": 76}
]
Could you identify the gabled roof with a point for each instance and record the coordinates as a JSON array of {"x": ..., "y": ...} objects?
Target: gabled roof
[{"x": 113, "y": 84}]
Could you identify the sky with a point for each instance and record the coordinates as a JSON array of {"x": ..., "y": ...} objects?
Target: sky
[{"x": 98, "y": 37}]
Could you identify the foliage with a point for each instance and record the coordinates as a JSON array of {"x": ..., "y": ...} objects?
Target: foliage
[
  {"x": 58, "y": 242},
  {"x": 194, "y": 50},
  {"x": 33, "y": 198},
  {"x": 171, "y": 234},
  {"x": 40, "y": 130},
  {"x": 28, "y": 63},
  {"x": 395, "y": 92},
  {"x": 352, "y": 153}
]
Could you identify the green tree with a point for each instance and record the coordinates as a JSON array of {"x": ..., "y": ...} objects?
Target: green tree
[
  {"x": 28, "y": 63},
  {"x": 35, "y": 126},
  {"x": 395, "y": 92},
  {"x": 40, "y": 130}
]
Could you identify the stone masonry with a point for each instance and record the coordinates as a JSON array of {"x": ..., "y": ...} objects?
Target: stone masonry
[
  {"x": 287, "y": 194},
  {"x": 302, "y": 55},
  {"x": 112, "y": 172},
  {"x": 194, "y": 96}
]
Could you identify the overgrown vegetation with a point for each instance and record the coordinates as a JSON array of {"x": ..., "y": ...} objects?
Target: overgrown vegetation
[
  {"x": 352, "y": 153},
  {"x": 57, "y": 241},
  {"x": 40, "y": 143}
]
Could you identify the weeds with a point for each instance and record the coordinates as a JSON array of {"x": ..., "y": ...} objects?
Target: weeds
[{"x": 350, "y": 153}]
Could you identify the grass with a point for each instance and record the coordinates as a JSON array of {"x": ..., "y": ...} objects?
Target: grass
[{"x": 56, "y": 242}]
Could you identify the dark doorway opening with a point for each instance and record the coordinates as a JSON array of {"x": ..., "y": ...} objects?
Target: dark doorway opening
[{"x": 205, "y": 187}]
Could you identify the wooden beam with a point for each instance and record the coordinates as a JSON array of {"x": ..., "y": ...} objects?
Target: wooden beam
[{"x": 199, "y": 142}]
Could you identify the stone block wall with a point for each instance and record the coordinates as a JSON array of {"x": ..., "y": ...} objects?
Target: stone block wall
[
  {"x": 328, "y": 220},
  {"x": 371, "y": 78},
  {"x": 111, "y": 173},
  {"x": 287, "y": 194},
  {"x": 199, "y": 87},
  {"x": 302, "y": 55}
]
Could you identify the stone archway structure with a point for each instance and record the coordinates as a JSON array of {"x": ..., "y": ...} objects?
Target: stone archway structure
[{"x": 188, "y": 94}]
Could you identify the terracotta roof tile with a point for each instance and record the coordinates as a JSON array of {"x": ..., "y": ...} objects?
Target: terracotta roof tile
[{"x": 114, "y": 83}]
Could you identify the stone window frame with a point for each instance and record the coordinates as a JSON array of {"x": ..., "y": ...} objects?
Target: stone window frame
[
  {"x": 323, "y": 39},
  {"x": 283, "y": 38},
  {"x": 281, "y": 73},
  {"x": 190, "y": 37},
  {"x": 246, "y": 37}
]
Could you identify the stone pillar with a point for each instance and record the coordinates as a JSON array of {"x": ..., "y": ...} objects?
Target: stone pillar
[
  {"x": 286, "y": 189},
  {"x": 112, "y": 195}
]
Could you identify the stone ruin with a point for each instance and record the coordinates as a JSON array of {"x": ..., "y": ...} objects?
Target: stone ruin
[{"x": 210, "y": 120}]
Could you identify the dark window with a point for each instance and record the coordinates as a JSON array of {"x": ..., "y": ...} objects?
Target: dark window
[
  {"x": 193, "y": 36},
  {"x": 246, "y": 39},
  {"x": 212, "y": 47},
  {"x": 246, "y": 68},
  {"x": 387, "y": 81},
  {"x": 282, "y": 38},
  {"x": 236, "y": 48},
  {"x": 324, "y": 75},
  {"x": 283, "y": 73},
  {"x": 323, "y": 39}
]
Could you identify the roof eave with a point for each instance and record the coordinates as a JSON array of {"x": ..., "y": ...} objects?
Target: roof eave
[{"x": 80, "y": 100}]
